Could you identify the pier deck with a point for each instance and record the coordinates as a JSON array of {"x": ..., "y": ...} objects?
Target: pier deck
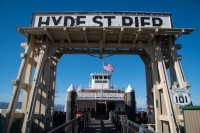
[{"x": 101, "y": 126}]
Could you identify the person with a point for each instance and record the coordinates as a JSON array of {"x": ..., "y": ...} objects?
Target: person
[
  {"x": 144, "y": 120},
  {"x": 77, "y": 115},
  {"x": 119, "y": 111},
  {"x": 138, "y": 120},
  {"x": 107, "y": 113},
  {"x": 151, "y": 117}
]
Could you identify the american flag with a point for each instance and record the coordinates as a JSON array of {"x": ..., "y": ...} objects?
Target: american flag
[{"x": 108, "y": 67}]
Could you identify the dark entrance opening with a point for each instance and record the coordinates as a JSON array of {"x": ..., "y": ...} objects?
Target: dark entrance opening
[
  {"x": 111, "y": 106},
  {"x": 101, "y": 110}
]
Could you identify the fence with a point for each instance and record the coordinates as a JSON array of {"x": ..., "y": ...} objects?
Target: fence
[{"x": 191, "y": 119}]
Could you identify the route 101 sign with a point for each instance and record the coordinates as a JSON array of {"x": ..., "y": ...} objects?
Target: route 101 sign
[{"x": 180, "y": 96}]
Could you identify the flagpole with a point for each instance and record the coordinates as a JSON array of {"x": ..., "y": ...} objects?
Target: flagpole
[{"x": 102, "y": 77}]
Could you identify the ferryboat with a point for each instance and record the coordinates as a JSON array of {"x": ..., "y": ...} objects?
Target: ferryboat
[{"x": 101, "y": 97}]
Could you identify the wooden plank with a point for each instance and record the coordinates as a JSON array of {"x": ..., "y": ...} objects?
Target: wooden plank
[
  {"x": 85, "y": 34},
  {"x": 104, "y": 35},
  {"x": 137, "y": 35},
  {"x": 120, "y": 35}
]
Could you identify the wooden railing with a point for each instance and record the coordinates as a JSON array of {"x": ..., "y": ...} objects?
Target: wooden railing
[
  {"x": 126, "y": 126},
  {"x": 76, "y": 125}
]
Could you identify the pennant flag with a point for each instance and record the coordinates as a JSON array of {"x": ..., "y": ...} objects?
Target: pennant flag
[{"x": 108, "y": 67}]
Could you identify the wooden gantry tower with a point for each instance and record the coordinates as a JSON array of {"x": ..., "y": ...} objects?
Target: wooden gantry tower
[{"x": 149, "y": 35}]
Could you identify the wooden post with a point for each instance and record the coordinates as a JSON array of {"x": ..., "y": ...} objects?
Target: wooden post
[
  {"x": 165, "y": 114},
  {"x": 17, "y": 86},
  {"x": 29, "y": 116}
]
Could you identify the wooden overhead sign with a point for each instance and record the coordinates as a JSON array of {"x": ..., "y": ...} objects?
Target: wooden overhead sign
[{"x": 102, "y": 19}]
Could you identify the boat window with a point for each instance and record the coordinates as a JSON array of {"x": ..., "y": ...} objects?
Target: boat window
[
  {"x": 108, "y": 77},
  {"x": 96, "y": 77},
  {"x": 92, "y": 77},
  {"x": 100, "y": 81},
  {"x": 105, "y": 77},
  {"x": 100, "y": 77}
]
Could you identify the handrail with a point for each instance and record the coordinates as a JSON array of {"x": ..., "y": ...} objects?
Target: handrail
[
  {"x": 127, "y": 126},
  {"x": 75, "y": 125},
  {"x": 99, "y": 95}
]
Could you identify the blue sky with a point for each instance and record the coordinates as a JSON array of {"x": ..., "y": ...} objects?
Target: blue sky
[{"x": 75, "y": 69}]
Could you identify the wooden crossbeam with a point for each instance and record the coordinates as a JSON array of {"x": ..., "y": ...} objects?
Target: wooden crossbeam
[
  {"x": 100, "y": 47},
  {"x": 24, "y": 45},
  {"x": 178, "y": 46},
  {"x": 37, "y": 116},
  {"x": 22, "y": 32},
  {"x": 18, "y": 115},
  {"x": 32, "y": 62},
  {"x": 48, "y": 34},
  {"x": 159, "y": 87},
  {"x": 120, "y": 35},
  {"x": 137, "y": 35},
  {"x": 152, "y": 36},
  {"x": 67, "y": 35},
  {"x": 85, "y": 34},
  {"x": 96, "y": 45},
  {"x": 23, "y": 85},
  {"x": 104, "y": 35},
  {"x": 42, "y": 86},
  {"x": 180, "y": 33},
  {"x": 163, "y": 118},
  {"x": 104, "y": 51}
]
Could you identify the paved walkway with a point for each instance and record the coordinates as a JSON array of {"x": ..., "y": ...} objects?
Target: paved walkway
[{"x": 101, "y": 126}]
